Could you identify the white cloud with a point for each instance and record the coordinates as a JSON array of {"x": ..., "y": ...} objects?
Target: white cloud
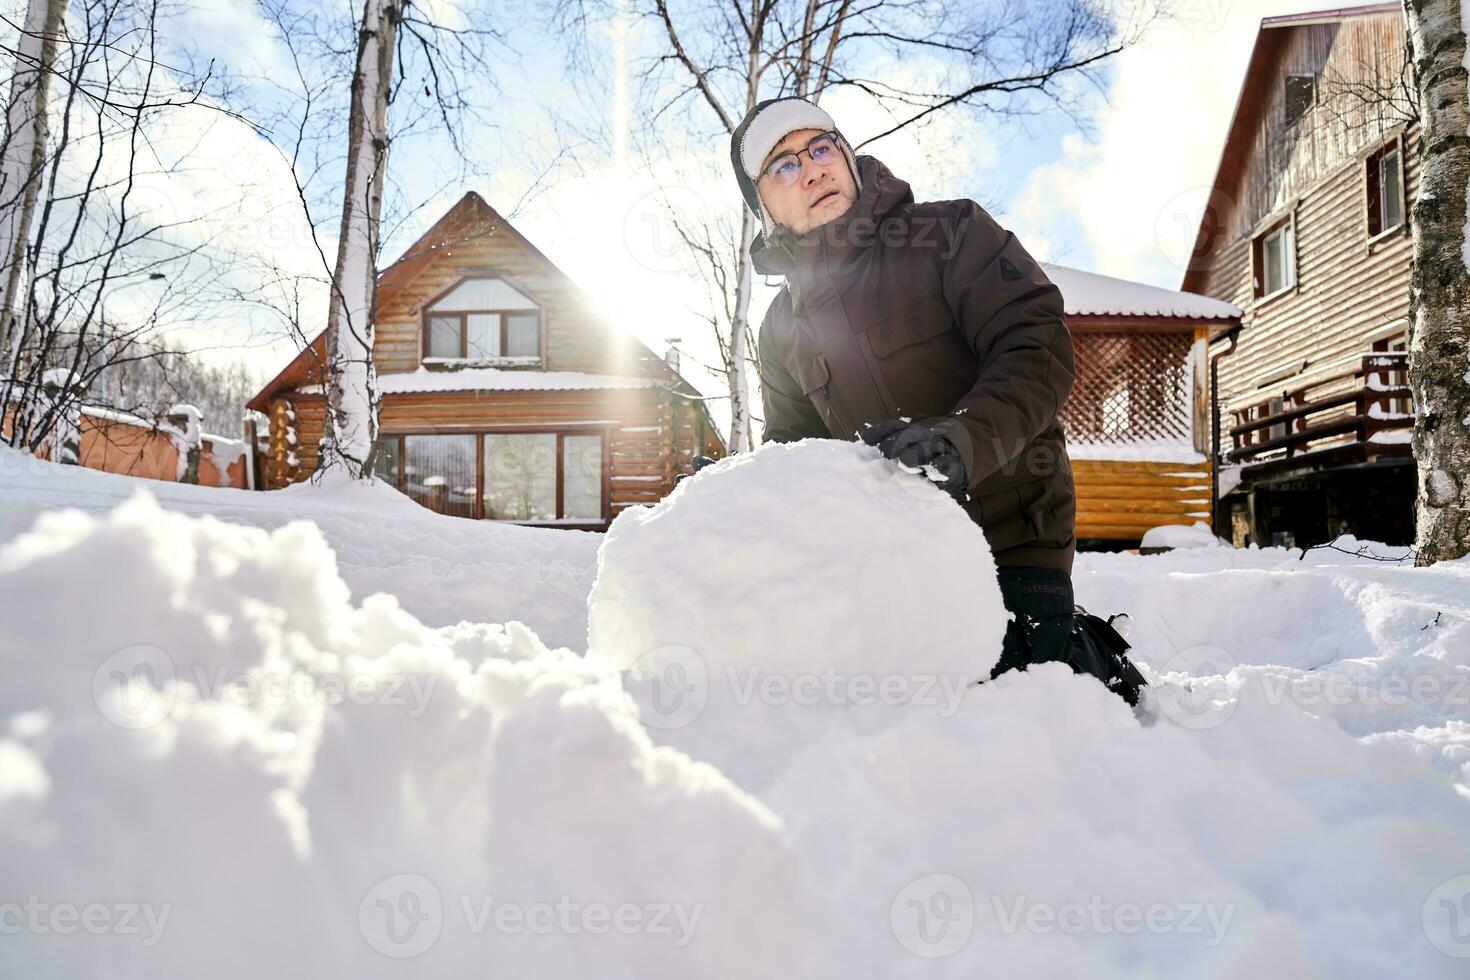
[
  {"x": 1133, "y": 198},
  {"x": 234, "y": 31}
]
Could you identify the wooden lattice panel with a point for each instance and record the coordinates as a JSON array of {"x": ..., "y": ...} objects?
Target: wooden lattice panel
[{"x": 1130, "y": 386}]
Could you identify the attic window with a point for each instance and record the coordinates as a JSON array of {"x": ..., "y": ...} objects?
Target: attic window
[
  {"x": 1301, "y": 91},
  {"x": 483, "y": 319}
]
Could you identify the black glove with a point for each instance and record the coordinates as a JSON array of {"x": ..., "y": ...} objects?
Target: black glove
[
  {"x": 916, "y": 445},
  {"x": 699, "y": 463}
]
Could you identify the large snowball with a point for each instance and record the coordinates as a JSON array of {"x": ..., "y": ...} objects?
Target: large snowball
[{"x": 789, "y": 589}]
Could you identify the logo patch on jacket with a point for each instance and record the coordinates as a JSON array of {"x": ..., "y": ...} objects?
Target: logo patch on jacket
[{"x": 1008, "y": 270}]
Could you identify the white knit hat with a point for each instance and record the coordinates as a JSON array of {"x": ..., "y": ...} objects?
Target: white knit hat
[{"x": 762, "y": 128}]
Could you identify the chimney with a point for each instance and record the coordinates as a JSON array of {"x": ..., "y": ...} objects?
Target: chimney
[{"x": 671, "y": 356}]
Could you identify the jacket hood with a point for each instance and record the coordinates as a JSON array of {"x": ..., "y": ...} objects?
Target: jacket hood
[{"x": 880, "y": 195}]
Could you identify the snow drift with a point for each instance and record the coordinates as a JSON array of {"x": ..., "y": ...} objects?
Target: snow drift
[{"x": 213, "y": 761}]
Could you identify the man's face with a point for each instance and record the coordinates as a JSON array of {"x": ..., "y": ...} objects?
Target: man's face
[{"x": 821, "y": 192}]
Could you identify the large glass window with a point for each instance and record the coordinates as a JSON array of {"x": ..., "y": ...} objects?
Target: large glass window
[
  {"x": 503, "y": 476},
  {"x": 520, "y": 476},
  {"x": 439, "y": 472},
  {"x": 483, "y": 318},
  {"x": 582, "y": 476},
  {"x": 385, "y": 464}
]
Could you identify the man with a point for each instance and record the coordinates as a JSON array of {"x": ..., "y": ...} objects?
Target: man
[{"x": 928, "y": 331}]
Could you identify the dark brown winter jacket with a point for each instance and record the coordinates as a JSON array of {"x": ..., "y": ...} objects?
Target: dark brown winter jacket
[{"x": 931, "y": 312}]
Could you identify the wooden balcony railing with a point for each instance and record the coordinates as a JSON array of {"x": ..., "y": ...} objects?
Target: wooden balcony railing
[{"x": 1334, "y": 419}]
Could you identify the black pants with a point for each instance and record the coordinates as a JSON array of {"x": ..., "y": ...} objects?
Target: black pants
[{"x": 1047, "y": 628}]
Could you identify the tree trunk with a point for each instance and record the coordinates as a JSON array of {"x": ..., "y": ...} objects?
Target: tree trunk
[
  {"x": 352, "y": 397},
  {"x": 740, "y": 439},
  {"x": 1439, "y": 305},
  {"x": 24, "y": 154}
]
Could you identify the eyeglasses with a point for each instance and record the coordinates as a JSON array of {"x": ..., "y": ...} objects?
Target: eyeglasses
[{"x": 787, "y": 167}]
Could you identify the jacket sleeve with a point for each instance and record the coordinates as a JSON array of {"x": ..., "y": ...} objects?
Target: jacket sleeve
[
  {"x": 1011, "y": 314},
  {"x": 789, "y": 413}
]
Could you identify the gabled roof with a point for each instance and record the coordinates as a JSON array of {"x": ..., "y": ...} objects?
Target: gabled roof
[
  {"x": 1270, "y": 41},
  {"x": 470, "y": 218},
  {"x": 1088, "y": 294}
]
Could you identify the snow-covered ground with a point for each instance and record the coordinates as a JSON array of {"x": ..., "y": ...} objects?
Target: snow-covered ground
[
  {"x": 442, "y": 570},
  {"x": 292, "y": 735}
]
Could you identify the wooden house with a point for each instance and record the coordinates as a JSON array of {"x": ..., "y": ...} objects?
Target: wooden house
[
  {"x": 1137, "y": 421},
  {"x": 1307, "y": 231},
  {"x": 505, "y": 396}
]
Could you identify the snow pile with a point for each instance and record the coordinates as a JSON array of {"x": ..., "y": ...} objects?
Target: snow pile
[
  {"x": 243, "y": 775},
  {"x": 1196, "y": 535},
  {"x": 781, "y": 592},
  {"x": 229, "y": 768},
  {"x": 1353, "y": 633}
]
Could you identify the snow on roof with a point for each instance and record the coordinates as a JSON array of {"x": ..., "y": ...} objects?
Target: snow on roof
[
  {"x": 1091, "y": 294},
  {"x": 502, "y": 379}
]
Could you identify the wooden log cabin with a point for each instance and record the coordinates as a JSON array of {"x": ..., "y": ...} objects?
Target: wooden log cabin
[
  {"x": 504, "y": 395},
  {"x": 1137, "y": 421},
  {"x": 1306, "y": 229}
]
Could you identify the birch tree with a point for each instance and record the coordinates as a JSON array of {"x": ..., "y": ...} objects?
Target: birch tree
[
  {"x": 1439, "y": 305},
  {"x": 104, "y": 270},
  {"x": 23, "y": 156},
  {"x": 352, "y": 397}
]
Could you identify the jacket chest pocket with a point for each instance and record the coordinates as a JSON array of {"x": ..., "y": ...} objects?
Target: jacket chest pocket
[
  {"x": 815, "y": 379},
  {"x": 925, "y": 320}
]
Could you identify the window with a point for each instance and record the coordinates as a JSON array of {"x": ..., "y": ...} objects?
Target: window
[
  {"x": 1274, "y": 258},
  {"x": 439, "y": 472},
  {"x": 520, "y": 476},
  {"x": 1385, "y": 189},
  {"x": 500, "y": 476},
  {"x": 1300, "y": 93},
  {"x": 482, "y": 319}
]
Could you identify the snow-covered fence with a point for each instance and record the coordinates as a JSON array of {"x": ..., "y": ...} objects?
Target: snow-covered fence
[{"x": 118, "y": 442}]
